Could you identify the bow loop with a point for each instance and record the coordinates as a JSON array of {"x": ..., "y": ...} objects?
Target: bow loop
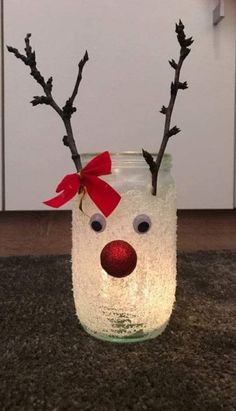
[{"x": 99, "y": 165}]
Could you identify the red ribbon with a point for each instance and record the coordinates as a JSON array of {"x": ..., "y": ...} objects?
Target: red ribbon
[{"x": 102, "y": 194}]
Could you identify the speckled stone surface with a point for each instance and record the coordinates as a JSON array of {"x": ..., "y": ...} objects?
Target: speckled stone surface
[{"x": 47, "y": 362}]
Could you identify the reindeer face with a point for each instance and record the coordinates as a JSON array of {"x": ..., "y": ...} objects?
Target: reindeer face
[
  {"x": 118, "y": 257},
  {"x": 125, "y": 265}
]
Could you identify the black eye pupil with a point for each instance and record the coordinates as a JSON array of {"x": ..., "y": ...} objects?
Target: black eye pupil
[
  {"x": 143, "y": 227},
  {"x": 96, "y": 226}
]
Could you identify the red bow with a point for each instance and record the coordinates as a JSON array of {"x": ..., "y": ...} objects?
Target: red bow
[{"x": 102, "y": 194}]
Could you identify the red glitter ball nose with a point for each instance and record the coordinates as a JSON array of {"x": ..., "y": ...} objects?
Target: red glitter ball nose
[{"x": 118, "y": 258}]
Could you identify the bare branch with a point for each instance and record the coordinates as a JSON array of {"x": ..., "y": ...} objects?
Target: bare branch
[
  {"x": 167, "y": 111},
  {"x": 29, "y": 59},
  {"x": 49, "y": 84},
  {"x": 65, "y": 141},
  {"x": 173, "y": 64},
  {"x": 17, "y": 54},
  {"x": 149, "y": 159},
  {"x": 28, "y": 48},
  {"x": 163, "y": 110},
  {"x": 173, "y": 131},
  {"x": 40, "y": 100},
  {"x": 182, "y": 86},
  {"x": 82, "y": 63},
  {"x": 68, "y": 109}
]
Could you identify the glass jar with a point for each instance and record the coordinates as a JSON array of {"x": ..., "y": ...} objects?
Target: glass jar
[{"x": 129, "y": 300}]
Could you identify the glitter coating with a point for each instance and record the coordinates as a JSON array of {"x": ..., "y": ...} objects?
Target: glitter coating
[{"x": 138, "y": 304}]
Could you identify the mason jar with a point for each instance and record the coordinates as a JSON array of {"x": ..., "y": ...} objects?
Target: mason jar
[{"x": 124, "y": 266}]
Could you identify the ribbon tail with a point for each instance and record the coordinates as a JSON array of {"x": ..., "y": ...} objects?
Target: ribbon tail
[
  {"x": 61, "y": 199},
  {"x": 102, "y": 194},
  {"x": 69, "y": 187}
]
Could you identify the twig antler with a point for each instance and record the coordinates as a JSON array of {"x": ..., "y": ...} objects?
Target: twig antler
[
  {"x": 29, "y": 59},
  {"x": 176, "y": 85}
]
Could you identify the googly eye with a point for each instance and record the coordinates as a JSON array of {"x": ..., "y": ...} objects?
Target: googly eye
[
  {"x": 142, "y": 223},
  {"x": 97, "y": 222}
]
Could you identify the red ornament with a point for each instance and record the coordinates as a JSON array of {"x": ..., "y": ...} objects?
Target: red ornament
[{"x": 118, "y": 258}]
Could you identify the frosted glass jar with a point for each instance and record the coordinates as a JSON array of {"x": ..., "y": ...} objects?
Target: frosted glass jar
[{"x": 124, "y": 276}]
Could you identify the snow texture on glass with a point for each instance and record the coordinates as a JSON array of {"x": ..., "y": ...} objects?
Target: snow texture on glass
[{"x": 140, "y": 304}]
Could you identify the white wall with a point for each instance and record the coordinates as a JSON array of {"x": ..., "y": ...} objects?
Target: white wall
[
  {"x": 1, "y": 119},
  {"x": 125, "y": 83},
  {"x": 235, "y": 129}
]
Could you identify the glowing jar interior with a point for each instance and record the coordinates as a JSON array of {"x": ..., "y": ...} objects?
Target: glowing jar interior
[{"x": 138, "y": 306}]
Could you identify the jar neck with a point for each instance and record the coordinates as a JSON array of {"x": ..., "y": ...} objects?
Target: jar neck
[{"x": 131, "y": 159}]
